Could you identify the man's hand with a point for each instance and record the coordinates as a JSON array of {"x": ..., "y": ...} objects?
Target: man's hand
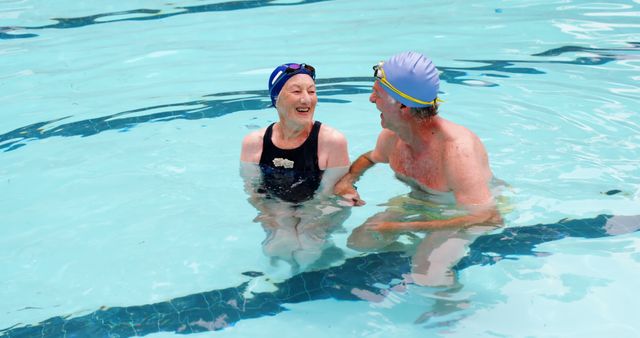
[
  {"x": 387, "y": 227},
  {"x": 459, "y": 222},
  {"x": 345, "y": 189}
]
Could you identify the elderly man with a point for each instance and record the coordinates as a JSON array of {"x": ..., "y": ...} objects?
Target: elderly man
[{"x": 440, "y": 160}]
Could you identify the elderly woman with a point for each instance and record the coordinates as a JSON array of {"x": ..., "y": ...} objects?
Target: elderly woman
[
  {"x": 291, "y": 165},
  {"x": 294, "y": 152}
]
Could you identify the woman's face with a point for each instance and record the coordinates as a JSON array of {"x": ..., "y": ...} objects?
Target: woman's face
[{"x": 297, "y": 99}]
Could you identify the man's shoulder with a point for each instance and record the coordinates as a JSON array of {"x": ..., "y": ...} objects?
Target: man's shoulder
[
  {"x": 457, "y": 134},
  {"x": 460, "y": 142}
]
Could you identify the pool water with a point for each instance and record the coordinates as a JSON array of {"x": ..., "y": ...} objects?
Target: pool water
[{"x": 119, "y": 158}]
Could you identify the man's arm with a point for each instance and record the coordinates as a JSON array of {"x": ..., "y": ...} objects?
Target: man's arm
[
  {"x": 488, "y": 216},
  {"x": 345, "y": 186}
]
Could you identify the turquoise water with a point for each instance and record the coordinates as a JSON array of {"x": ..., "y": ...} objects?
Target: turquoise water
[{"x": 120, "y": 139}]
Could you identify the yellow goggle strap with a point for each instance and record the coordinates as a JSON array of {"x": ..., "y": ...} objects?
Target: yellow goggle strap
[
  {"x": 408, "y": 97},
  {"x": 384, "y": 81}
]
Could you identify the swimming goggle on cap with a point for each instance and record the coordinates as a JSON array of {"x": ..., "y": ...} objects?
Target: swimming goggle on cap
[
  {"x": 410, "y": 78},
  {"x": 283, "y": 73}
]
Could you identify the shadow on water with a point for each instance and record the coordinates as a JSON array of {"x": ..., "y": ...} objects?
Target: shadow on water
[
  {"x": 375, "y": 273},
  {"x": 219, "y": 104},
  {"x": 145, "y": 15},
  {"x": 211, "y": 106}
]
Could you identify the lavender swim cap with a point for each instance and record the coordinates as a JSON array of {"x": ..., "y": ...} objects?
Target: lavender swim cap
[
  {"x": 412, "y": 79},
  {"x": 283, "y": 73}
]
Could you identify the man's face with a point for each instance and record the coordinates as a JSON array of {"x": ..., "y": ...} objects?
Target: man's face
[{"x": 389, "y": 108}]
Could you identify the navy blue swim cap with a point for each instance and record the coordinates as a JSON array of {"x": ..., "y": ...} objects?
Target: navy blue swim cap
[{"x": 283, "y": 73}]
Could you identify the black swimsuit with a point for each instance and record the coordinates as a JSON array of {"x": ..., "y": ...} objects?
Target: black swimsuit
[{"x": 292, "y": 175}]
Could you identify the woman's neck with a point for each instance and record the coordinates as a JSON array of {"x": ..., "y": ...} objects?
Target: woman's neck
[{"x": 289, "y": 134}]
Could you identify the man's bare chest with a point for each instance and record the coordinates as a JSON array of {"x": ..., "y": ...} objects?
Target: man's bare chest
[{"x": 425, "y": 167}]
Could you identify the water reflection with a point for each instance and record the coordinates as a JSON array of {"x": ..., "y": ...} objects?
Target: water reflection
[
  {"x": 373, "y": 274},
  {"x": 144, "y": 14},
  {"x": 301, "y": 235},
  {"x": 298, "y": 234},
  {"x": 223, "y": 103},
  {"x": 433, "y": 253}
]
